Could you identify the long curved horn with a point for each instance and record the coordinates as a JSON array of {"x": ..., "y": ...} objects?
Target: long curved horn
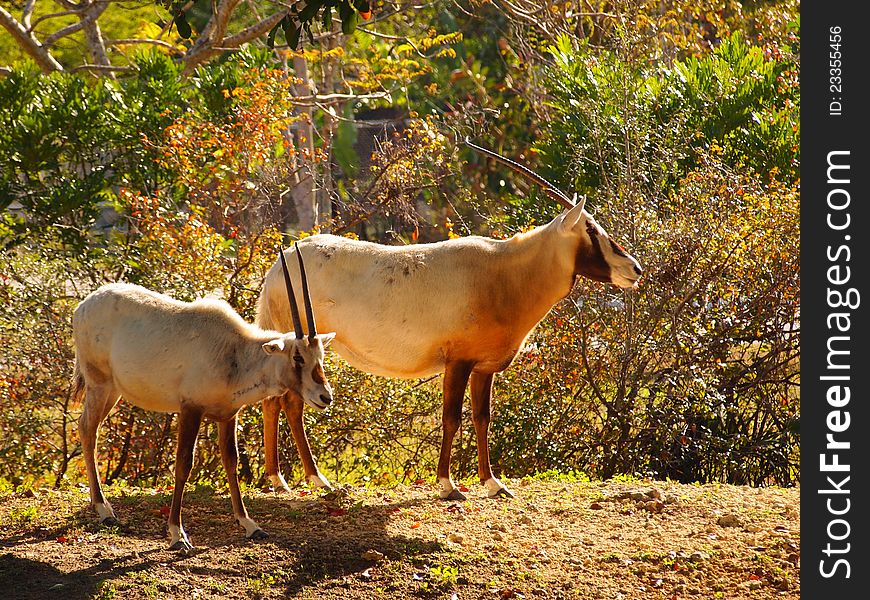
[
  {"x": 551, "y": 190},
  {"x": 294, "y": 309},
  {"x": 306, "y": 297}
]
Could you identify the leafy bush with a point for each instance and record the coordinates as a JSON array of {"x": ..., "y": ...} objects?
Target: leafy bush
[
  {"x": 658, "y": 121},
  {"x": 175, "y": 184},
  {"x": 694, "y": 376}
]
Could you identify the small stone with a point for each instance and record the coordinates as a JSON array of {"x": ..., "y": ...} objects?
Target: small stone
[
  {"x": 456, "y": 538},
  {"x": 526, "y": 520},
  {"x": 729, "y": 520},
  {"x": 596, "y": 506},
  {"x": 655, "y": 494},
  {"x": 638, "y": 496},
  {"x": 755, "y": 584},
  {"x": 698, "y": 556},
  {"x": 654, "y": 506},
  {"x": 372, "y": 555}
]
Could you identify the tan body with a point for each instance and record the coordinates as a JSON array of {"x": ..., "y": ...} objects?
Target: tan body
[
  {"x": 198, "y": 359},
  {"x": 463, "y": 307}
]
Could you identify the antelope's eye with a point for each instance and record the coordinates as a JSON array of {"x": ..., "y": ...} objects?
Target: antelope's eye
[
  {"x": 591, "y": 230},
  {"x": 300, "y": 362}
]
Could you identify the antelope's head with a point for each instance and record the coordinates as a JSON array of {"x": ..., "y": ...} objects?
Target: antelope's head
[
  {"x": 597, "y": 256},
  {"x": 300, "y": 364}
]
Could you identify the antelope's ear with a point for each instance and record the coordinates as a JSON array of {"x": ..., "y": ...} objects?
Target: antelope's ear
[
  {"x": 326, "y": 338},
  {"x": 273, "y": 346},
  {"x": 573, "y": 216}
]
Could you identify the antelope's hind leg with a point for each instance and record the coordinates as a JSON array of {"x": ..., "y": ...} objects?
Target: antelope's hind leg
[
  {"x": 99, "y": 401},
  {"x": 189, "y": 421},
  {"x": 481, "y": 394},
  {"x": 230, "y": 458}
]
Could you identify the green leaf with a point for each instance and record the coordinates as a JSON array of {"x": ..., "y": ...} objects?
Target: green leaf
[
  {"x": 270, "y": 41},
  {"x": 291, "y": 34},
  {"x": 309, "y": 12},
  {"x": 183, "y": 26},
  {"x": 348, "y": 26}
]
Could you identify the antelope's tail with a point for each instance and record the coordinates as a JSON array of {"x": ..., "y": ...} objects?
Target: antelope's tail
[{"x": 77, "y": 384}]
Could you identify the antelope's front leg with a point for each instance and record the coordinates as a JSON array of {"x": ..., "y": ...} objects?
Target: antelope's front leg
[
  {"x": 271, "y": 414},
  {"x": 293, "y": 405},
  {"x": 455, "y": 379},
  {"x": 230, "y": 458},
  {"x": 481, "y": 393},
  {"x": 189, "y": 421}
]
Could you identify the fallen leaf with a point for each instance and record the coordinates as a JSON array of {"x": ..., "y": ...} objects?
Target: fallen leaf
[{"x": 415, "y": 525}]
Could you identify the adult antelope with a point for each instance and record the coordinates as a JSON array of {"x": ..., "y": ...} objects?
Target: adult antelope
[
  {"x": 199, "y": 359},
  {"x": 463, "y": 307}
]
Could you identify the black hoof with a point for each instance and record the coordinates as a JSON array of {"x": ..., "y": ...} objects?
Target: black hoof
[
  {"x": 258, "y": 535},
  {"x": 182, "y": 547},
  {"x": 503, "y": 493},
  {"x": 110, "y": 522},
  {"x": 455, "y": 494}
]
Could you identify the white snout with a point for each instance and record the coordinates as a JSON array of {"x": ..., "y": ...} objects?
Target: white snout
[{"x": 319, "y": 403}]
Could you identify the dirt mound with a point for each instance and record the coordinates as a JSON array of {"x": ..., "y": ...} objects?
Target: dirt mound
[{"x": 626, "y": 539}]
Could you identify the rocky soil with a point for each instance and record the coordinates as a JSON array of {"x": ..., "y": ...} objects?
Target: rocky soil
[{"x": 621, "y": 539}]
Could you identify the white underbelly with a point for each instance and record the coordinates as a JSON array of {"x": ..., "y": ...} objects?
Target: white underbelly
[
  {"x": 394, "y": 360},
  {"x": 149, "y": 390}
]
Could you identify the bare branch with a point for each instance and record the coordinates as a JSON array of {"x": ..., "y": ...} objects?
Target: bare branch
[
  {"x": 27, "y": 42},
  {"x": 89, "y": 15},
  {"x": 93, "y": 35},
  {"x": 211, "y": 35},
  {"x": 27, "y": 13},
  {"x": 254, "y": 31},
  {"x": 124, "y": 42},
  {"x": 42, "y": 18},
  {"x": 318, "y": 99},
  {"x": 199, "y": 54},
  {"x": 101, "y": 68}
]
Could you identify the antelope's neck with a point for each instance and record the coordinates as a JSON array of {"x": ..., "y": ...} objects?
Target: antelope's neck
[
  {"x": 250, "y": 378},
  {"x": 542, "y": 272}
]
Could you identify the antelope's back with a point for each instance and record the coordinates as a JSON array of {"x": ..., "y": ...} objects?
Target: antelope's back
[
  {"x": 396, "y": 310},
  {"x": 154, "y": 349}
]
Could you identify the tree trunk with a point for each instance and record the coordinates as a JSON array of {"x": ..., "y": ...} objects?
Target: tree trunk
[{"x": 305, "y": 191}]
